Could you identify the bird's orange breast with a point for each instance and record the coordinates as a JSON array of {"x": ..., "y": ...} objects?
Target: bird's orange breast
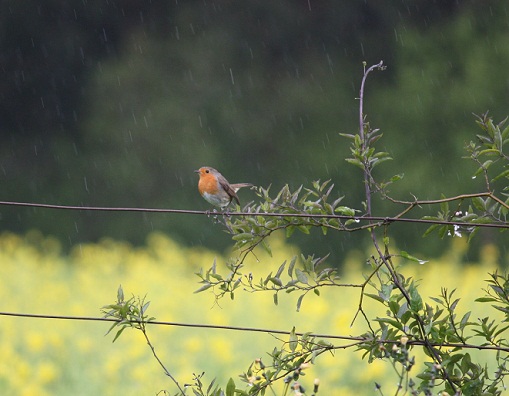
[{"x": 208, "y": 184}]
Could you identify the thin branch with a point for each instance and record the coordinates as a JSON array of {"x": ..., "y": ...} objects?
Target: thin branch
[
  {"x": 385, "y": 257},
  {"x": 168, "y": 374},
  {"x": 450, "y": 199}
]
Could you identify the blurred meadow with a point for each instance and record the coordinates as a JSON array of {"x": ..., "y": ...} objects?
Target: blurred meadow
[{"x": 62, "y": 357}]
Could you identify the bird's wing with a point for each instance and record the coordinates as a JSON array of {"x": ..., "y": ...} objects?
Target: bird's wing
[{"x": 228, "y": 188}]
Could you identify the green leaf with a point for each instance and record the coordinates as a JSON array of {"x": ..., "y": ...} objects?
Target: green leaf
[
  {"x": 293, "y": 341},
  {"x": 304, "y": 229},
  {"x": 392, "y": 322},
  {"x": 203, "y": 288},
  {"x": 375, "y": 297},
  {"x": 412, "y": 258},
  {"x": 394, "y": 307},
  {"x": 118, "y": 333},
  {"x": 301, "y": 276},
  {"x": 485, "y": 299},
  {"x": 244, "y": 236},
  {"x": 290, "y": 230},
  {"x": 145, "y": 307},
  {"x": 266, "y": 247},
  {"x": 230, "y": 388},
  {"x": 487, "y": 164},
  {"x": 402, "y": 311},
  {"x": 415, "y": 298},
  {"x": 345, "y": 210},
  {"x": 299, "y": 301},
  {"x": 354, "y": 161},
  {"x": 479, "y": 203},
  {"x": 120, "y": 294},
  {"x": 386, "y": 290},
  {"x": 115, "y": 324},
  {"x": 276, "y": 281},
  {"x": 291, "y": 266},
  {"x": 380, "y": 160},
  {"x": 280, "y": 269},
  {"x": 210, "y": 386},
  {"x": 464, "y": 320},
  {"x": 216, "y": 276},
  {"x": 395, "y": 178},
  {"x": 498, "y": 139},
  {"x": 444, "y": 206},
  {"x": 501, "y": 175},
  {"x": 491, "y": 152}
]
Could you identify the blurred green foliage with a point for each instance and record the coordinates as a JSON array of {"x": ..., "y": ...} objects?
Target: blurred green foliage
[{"x": 115, "y": 104}]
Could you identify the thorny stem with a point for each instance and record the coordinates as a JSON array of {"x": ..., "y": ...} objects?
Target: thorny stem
[{"x": 385, "y": 258}]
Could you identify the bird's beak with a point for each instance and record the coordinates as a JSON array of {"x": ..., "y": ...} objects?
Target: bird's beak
[{"x": 197, "y": 171}]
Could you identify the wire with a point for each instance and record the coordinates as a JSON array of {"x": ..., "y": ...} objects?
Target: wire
[
  {"x": 268, "y": 214},
  {"x": 175, "y": 324},
  {"x": 252, "y": 330}
]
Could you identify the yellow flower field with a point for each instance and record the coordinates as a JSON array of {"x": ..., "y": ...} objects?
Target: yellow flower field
[{"x": 64, "y": 357}]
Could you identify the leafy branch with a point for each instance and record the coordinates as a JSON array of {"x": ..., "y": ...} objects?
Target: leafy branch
[
  {"x": 132, "y": 314},
  {"x": 409, "y": 321}
]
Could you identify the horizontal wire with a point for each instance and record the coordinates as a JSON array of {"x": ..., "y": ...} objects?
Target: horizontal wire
[
  {"x": 175, "y": 324},
  {"x": 382, "y": 219},
  {"x": 250, "y": 329}
]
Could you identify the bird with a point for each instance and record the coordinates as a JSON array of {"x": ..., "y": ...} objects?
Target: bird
[{"x": 215, "y": 189}]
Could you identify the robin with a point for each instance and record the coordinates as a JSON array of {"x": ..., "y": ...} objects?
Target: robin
[{"x": 216, "y": 189}]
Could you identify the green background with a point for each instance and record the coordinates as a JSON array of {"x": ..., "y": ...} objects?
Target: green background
[{"x": 116, "y": 103}]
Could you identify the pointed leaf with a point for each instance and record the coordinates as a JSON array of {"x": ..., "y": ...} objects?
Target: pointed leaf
[
  {"x": 203, "y": 288},
  {"x": 412, "y": 258},
  {"x": 230, "y": 388},
  {"x": 301, "y": 276},
  {"x": 291, "y": 266},
  {"x": 293, "y": 341}
]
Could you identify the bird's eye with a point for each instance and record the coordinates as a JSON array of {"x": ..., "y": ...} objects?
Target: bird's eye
[{"x": 207, "y": 171}]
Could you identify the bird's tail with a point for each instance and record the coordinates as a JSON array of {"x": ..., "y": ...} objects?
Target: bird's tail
[{"x": 236, "y": 187}]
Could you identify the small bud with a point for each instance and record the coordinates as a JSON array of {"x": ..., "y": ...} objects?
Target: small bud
[
  {"x": 403, "y": 340},
  {"x": 316, "y": 384},
  {"x": 299, "y": 390},
  {"x": 411, "y": 363}
]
